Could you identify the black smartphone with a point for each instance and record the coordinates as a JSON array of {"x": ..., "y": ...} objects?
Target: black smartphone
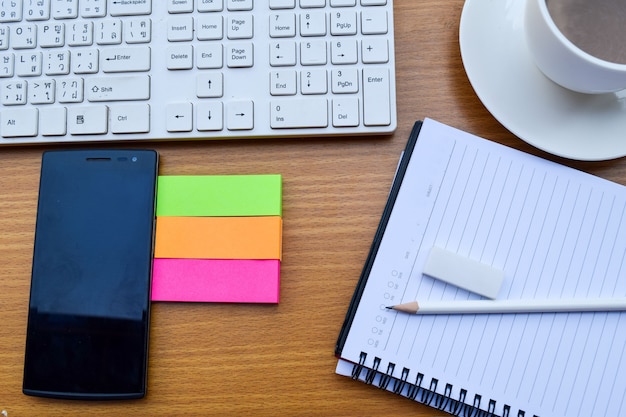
[{"x": 89, "y": 311}]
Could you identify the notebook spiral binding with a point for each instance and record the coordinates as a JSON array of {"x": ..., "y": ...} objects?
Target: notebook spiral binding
[{"x": 426, "y": 395}]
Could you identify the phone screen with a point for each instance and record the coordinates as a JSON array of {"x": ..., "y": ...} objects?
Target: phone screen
[{"x": 89, "y": 311}]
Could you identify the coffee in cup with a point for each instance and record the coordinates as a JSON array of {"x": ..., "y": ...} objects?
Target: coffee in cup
[
  {"x": 598, "y": 27},
  {"x": 579, "y": 44}
]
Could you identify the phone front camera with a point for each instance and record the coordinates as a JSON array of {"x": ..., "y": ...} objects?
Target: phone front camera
[{"x": 134, "y": 159}]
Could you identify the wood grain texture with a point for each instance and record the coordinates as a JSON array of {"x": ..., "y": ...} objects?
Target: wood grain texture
[{"x": 217, "y": 360}]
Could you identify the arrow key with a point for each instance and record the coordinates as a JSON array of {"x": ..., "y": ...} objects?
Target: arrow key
[
  {"x": 209, "y": 84},
  {"x": 209, "y": 116},
  {"x": 343, "y": 52},
  {"x": 240, "y": 115},
  {"x": 283, "y": 54},
  {"x": 179, "y": 117}
]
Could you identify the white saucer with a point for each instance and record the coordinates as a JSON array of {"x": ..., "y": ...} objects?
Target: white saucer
[{"x": 518, "y": 95}]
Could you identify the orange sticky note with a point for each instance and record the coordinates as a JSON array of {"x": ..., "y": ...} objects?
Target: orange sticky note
[{"x": 218, "y": 237}]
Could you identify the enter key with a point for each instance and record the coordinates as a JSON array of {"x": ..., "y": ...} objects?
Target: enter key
[
  {"x": 376, "y": 97},
  {"x": 125, "y": 59}
]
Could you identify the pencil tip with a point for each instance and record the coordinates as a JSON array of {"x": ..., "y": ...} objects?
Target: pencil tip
[{"x": 389, "y": 307}]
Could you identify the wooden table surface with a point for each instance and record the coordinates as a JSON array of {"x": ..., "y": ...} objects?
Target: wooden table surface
[{"x": 270, "y": 360}]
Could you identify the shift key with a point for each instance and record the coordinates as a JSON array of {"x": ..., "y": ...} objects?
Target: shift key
[{"x": 118, "y": 88}]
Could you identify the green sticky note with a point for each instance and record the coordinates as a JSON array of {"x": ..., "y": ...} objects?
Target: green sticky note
[{"x": 219, "y": 195}]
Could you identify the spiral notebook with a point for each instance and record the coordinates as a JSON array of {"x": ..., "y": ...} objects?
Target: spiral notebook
[{"x": 554, "y": 231}]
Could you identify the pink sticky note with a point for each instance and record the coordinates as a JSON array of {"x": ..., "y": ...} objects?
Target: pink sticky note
[{"x": 216, "y": 280}]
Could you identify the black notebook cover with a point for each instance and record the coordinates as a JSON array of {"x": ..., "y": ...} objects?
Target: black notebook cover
[{"x": 395, "y": 188}]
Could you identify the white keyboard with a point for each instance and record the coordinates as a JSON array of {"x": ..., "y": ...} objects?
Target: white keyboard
[{"x": 116, "y": 70}]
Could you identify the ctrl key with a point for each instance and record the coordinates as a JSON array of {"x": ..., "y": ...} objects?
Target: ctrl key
[
  {"x": 18, "y": 122},
  {"x": 132, "y": 118}
]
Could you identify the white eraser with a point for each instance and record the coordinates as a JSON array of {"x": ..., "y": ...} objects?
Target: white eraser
[{"x": 464, "y": 272}]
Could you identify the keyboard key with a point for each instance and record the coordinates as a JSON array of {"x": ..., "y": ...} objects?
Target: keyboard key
[
  {"x": 11, "y": 11},
  {"x": 345, "y": 81},
  {"x": 314, "y": 81},
  {"x": 376, "y": 101},
  {"x": 210, "y": 27},
  {"x": 299, "y": 113},
  {"x": 283, "y": 54},
  {"x": 179, "y": 117},
  {"x": 88, "y": 120},
  {"x": 179, "y": 6},
  {"x": 345, "y": 112},
  {"x": 19, "y": 122},
  {"x": 210, "y": 116},
  {"x": 28, "y": 64},
  {"x": 57, "y": 62},
  {"x": 210, "y": 5},
  {"x": 240, "y": 55},
  {"x": 343, "y": 23},
  {"x": 53, "y": 121},
  {"x": 52, "y": 35},
  {"x": 14, "y": 92},
  {"x": 313, "y": 52},
  {"x": 282, "y": 4},
  {"x": 283, "y": 25},
  {"x": 70, "y": 90},
  {"x": 179, "y": 57},
  {"x": 240, "y": 26},
  {"x": 312, "y": 3},
  {"x": 42, "y": 91},
  {"x": 24, "y": 36},
  {"x": 109, "y": 32},
  {"x": 180, "y": 28},
  {"x": 374, "y": 51},
  {"x": 234, "y": 5},
  {"x": 283, "y": 83},
  {"x": 118, "y": 88},
  {"x": 126, "y": 59},
  {"x": 138, "y": 30},
  {"x": 7, "y": 65},
  {"x": 343, "y": 52},
  {"x": 93, "y": 8},
  {"x": 210, "y": 84},
  {"x": 209, "y": 55},
  {"x": 4, "y": 38},
  {"x": 373, "y": 22},
  {"x": 80, "y": 34},
  {"x": 38, "y": 10},
  {"x": 240, "y": 115},
  {"x": 64, "y": 9},
  {"x": 130, "y": 8},
  {"x": 130, "y": 118},
  {"x": 313, "y": 23},
  {"x": 85, "y": 61}
]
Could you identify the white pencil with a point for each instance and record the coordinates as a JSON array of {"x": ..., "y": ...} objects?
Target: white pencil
[{"x": 549, "y": 305}]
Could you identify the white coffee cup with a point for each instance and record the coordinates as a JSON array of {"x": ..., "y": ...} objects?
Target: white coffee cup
[{"x": 562, "y": 61}]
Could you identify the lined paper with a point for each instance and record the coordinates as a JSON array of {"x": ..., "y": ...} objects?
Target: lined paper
[{"x": 555, "y": 232}]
